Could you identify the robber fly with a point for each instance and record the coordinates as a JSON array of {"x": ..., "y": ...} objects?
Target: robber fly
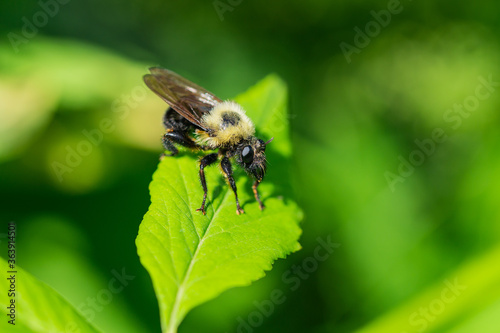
[{"x": 199, "y": 120}]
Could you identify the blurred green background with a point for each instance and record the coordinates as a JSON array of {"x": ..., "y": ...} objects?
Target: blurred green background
[{"x": 414, "y": 216}]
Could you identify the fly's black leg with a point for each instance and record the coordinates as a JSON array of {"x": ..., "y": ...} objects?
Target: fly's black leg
[
  {"x": 205, "y": 161},
  {"x": 178, "y": 137},
  {"x": 172, "y": 137},
  {"x": 178, "y": 130},
  {"x": 181, "y": 138},
  {"x": 228, "y": 172},
  {"x": 169, "y": 145},
  {"x": 256, "y": 193}
]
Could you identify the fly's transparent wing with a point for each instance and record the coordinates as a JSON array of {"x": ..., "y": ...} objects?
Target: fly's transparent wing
[{"x": 185, "y": 97}]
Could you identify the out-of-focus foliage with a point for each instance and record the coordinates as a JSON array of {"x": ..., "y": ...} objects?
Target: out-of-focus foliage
[{"x": 353, "y": 123}]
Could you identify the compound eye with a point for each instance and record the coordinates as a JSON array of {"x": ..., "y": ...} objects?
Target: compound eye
[{"x": 247, "y": 155}]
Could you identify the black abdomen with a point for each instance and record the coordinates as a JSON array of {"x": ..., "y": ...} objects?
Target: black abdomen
[{"x": 174, "y": 121}]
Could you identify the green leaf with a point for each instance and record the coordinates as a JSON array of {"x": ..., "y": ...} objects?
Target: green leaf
[
  {"x": 38, "y": 308},
  {"x": 193, "y": 258}
]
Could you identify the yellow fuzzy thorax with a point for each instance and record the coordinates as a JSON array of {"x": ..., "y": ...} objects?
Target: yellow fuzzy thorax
[{"x": 228, "y": 124}]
